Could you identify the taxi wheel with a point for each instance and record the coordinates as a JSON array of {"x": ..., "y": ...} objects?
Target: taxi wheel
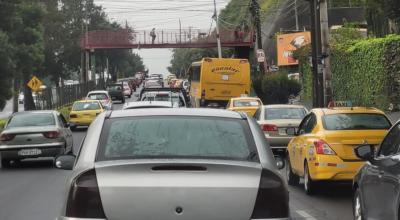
[
  {"x": 292, "y": 178},
  {"x": 309, "y": 184},
  {"x": 357, "y": 207}
]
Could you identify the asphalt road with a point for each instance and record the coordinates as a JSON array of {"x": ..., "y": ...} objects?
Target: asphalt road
[{"x": 34, "y": 190}]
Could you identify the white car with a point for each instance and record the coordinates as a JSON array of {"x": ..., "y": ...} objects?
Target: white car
[
  {"x": 102, "y": 96},
  {"x": 149, "y": 104}
]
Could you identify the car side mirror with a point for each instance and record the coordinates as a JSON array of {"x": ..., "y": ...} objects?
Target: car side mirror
[
  {"x": 65, "y": 162},
  {"x": 365, "y": 152},
  {"x": 280, "y": 163},
  {"x": 291, "y": 131}
]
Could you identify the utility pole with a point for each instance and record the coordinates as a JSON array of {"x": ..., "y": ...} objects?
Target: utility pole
[
  {"x": 326, "y": 53},
  {"x": 180, "y": 31},
  {"x": 217, "y": 28},
  {"x": 255, "y": 10}
]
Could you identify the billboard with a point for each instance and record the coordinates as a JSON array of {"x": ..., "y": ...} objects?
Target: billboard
[{"x": 288, "y": 43}]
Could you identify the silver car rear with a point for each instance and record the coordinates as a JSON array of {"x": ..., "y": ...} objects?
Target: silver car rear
[{"x": 194, "y": 164}]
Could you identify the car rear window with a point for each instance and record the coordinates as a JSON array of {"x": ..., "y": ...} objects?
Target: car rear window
[
  {"x": 85, "y": 106},
  {"x": 356, "y": 121},
  {"x": 246, "y": 103},
  {"x": 97, "y": 96},
  {"x": 114, "y": 87},
  {"x": 31, "y": 119},
  {"x": 176, "y": 137},
  {"x": 284, "y": 113}
]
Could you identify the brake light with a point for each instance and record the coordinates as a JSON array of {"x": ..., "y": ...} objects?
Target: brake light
[
  {"x": 271, "y": 186},
  {"x": 322, "y": 147},
  {"x": 73, "y": 116},
  {"x": 269, "y": 127},
  {"x": 84, "y": 197},
  {"x": 51, "y": 134},
  {"x": 6, "y": 137}
]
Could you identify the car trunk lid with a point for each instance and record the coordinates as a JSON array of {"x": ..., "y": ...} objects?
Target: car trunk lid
[
  {"x": 344, "y": 142},
  {"x": 31, "y": 135},
  {"x": 173, "y": 189},
  {"x": 282, "y": 125}
]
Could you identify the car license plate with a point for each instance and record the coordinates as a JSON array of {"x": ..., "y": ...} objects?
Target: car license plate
[
  {"x": 29, "y": 152},
  {"x": 282, "y": 131}
]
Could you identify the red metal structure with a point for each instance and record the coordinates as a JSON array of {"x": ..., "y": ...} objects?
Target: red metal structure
[{"x": 185, "y": 38}]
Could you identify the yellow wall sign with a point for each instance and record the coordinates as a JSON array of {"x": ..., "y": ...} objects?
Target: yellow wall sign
[{"x": 35, "y": 84}]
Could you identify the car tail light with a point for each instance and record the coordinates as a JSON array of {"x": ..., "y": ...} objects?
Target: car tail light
[
  {"x": 51, "y": 134},
  {"x": 84, "y": 197},
  {"x": 272, "y": 198},
  {"x": 6, "y": 137},
  {"x": 322, "y": 147},
  {"x": 269, "y": 127},
  {"x": 73, "y": 116}
]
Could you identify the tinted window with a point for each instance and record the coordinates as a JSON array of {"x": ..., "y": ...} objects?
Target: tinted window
[
  {"x": 195, "y": 74},
  {"x": 355, "y": 121},
  {"x": 176, "y": 137},
  {"x": 85, "y": 106},
  {"x": 390, "y": 144},
  {"x": 114, "y": 87},
  {"x": 33, "y": 119},
  {"x": 308, "y": 124},
  {"x": 284, "y": 113},
  {"x": 97, "y": 96},
  {"x": 246, "y": 103}
]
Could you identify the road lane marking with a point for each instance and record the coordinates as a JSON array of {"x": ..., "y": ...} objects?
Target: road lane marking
[{"x": 305, "y": 215}]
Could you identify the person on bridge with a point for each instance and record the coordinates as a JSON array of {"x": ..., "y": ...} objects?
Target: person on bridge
[{"x": 153, "y": 35}]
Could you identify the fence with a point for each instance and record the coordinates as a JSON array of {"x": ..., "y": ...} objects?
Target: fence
[{"x": 57, "y": 97}]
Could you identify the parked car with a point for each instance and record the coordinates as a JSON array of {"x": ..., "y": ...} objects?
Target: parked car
[
  {"x": 188, "y": 164},
  {"x": 116, "y": 92},
  {"x": 148, "y": 104},
  {"x": 34, "y": 134},
  {"x": 377, "y": 184},
  {"x": 84, "y": 112},
  {"x": 323, "y": 146},
  {"x": 275, "y": 120},
  {"x": 102, "y": 96},
  {"x": 249, "y": 105}
]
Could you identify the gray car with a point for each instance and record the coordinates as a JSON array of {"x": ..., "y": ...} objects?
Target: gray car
[
  {"x": 169, "y": 164},
  {"x": 34, "y": 134}
]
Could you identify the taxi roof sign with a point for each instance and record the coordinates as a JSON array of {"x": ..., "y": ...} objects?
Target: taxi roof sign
[
  {"x": 334, "y": 104},
  {"x": 35, "y": 84}
]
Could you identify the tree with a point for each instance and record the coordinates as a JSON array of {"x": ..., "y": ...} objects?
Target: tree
[
  {"x": 277, "y": 88},
  {"x": 6, "y": 69}
]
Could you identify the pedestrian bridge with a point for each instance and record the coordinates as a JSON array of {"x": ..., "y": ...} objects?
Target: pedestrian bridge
[{"x": 180, "y": 38}]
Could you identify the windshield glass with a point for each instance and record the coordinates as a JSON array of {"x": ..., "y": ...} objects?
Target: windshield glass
[
  {"x": 176, "y": 137},
  {"x": 166, "y": 97},
  {"x": 246, "y": 103},
  {"x": 97, "y": 96},
  {"x": 33, "y": 119},
  {"x": 354, "y": 121},
  {"x": 85, "y": 106},
  {"x": 284, "y": 113},
  {"x": 114, "y": 87}
]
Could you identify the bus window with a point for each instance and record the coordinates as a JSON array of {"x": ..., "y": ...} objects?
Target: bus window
[{"x": 195, "y": 73}]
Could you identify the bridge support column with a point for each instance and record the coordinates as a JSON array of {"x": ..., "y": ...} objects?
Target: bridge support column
[{"x": 93, "y": 65}]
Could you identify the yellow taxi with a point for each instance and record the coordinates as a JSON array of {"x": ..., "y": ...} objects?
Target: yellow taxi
[
  {"x": 84, "y": 112},
  {"x": 245, "y": 104},
  {"x": 323, "y": 146}
]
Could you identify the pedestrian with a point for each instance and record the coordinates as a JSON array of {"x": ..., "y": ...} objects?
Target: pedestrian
[{"x": 153, "y": 35}]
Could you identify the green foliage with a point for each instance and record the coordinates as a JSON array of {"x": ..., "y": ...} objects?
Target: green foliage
[
  {"x": 6, "y": 68},
  {"x": 2, "y": 124},
  {"x": 65, "y": 110},
  {"x": 349, "y": 32},
  {"x": 346, "y": 3},
  {"x": 383, "y": 17},
  {"x": 365, "y": 71},
  {"x": 277, "y": 88}
]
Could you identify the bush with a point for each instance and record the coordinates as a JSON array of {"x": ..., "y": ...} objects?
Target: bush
[
  {"x": 2, "y": 123},
  {"x": 277, "y": 88},
  {"x": 65, "y": 110}
]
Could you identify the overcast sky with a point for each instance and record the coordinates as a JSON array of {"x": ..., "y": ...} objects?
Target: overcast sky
[{"x": 161, "y": 14}]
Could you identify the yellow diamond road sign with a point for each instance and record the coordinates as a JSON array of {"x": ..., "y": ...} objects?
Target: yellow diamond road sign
[{"x": 35, "y": 84}]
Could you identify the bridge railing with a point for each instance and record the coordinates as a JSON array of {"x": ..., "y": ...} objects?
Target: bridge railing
[{"x": 126, "y": 38}]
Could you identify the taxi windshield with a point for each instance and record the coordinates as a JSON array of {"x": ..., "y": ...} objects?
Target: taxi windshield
[
  {"x": 355, "y": 121},
  {"x": 85, "y": 106},
  {"x": 246, "y": 103}
]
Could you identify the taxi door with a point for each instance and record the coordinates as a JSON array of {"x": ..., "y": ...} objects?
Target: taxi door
[{"x": 303, "y": 139}]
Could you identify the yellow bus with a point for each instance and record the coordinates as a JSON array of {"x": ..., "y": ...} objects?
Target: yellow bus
[{"x": 214, "y": 81}]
